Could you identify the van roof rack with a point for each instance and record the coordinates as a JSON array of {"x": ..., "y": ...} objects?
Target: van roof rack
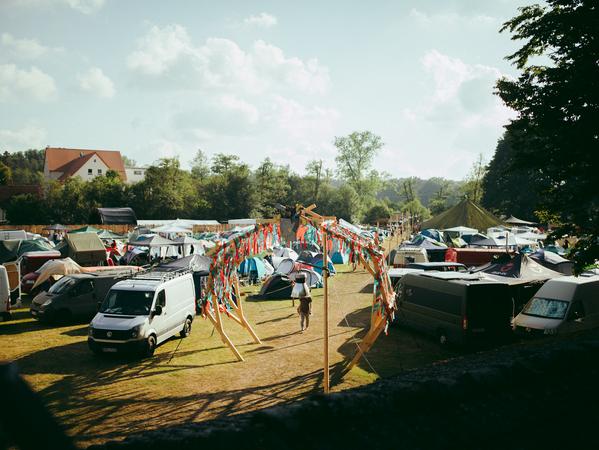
[{"x": 155, "y": 275}]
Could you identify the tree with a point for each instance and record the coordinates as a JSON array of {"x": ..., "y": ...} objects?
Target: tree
[
  {"x": 199, "y": 165},
  {"x": 354, "y": 160},
  {"x": 473, "y": 187},
  {"x": 5, "y": 174},
  {"x": 557, "y": 127},
  {"x": 129, "y": 162},
  {"x": 271, "y": 186},
  {"x": 315, "y": 174},
  {"x": 416, "y": 209},
  {"x": 438, "y": 203},
  {"x": 223, "y": 164},
  {"x": 508, "y": 188},
  {"x": 376, "y": 212}
]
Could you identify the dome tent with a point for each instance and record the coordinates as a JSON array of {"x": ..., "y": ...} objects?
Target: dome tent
[{"x": 276, "y": 287}]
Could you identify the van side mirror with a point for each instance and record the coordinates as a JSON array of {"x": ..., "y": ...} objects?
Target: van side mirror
[{"x": 157, "y": 310}]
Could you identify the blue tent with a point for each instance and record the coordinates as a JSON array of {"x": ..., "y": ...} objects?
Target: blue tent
[
  {"x": 255, "y": 265},
  {"x": 340, "y": 258},
  {"x": 316, "y": 262},
  {"x": 433, "y": 234}
]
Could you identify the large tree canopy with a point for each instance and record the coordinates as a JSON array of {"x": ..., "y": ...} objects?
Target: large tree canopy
[{"x": 556, "y": 133}]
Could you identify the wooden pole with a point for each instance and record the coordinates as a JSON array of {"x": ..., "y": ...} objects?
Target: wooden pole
[{"x": 325, "y": 272}]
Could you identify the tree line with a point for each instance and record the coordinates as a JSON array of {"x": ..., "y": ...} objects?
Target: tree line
[{"x": 224, "y": 187}]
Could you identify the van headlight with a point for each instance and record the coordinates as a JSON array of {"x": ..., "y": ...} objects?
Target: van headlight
[
  {"x": 90, "y": 331},
  {"x": 135, "y": 331},
  {"x": 47, "y": 303}
]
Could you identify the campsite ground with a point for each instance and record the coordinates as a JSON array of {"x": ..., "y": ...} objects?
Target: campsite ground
[{"x": 198, "y": 378}]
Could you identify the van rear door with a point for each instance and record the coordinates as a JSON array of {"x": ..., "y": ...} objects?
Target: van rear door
[{"x": 488, "y": 309}]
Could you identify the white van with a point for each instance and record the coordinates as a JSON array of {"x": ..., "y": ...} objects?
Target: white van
[
  {"x": 562, "y": 305},
  {"x": 4, "y": 294},
  {"x": 142, "y": 312}
]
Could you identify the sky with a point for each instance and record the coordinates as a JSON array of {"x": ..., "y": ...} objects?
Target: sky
[{"x": 259, "y": 79}]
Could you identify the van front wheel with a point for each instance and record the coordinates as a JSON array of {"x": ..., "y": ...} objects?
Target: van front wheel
[
  {"x": 186, "y": 331},
  {"x": 150, "y": 346}
]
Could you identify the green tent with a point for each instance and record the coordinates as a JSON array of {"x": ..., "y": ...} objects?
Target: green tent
[
  {"x": 466, "y": 213},
  {"x": 86, "y": 249},
  {"x": 12, "y": 250},
  {"x": 102, "y": 234}
]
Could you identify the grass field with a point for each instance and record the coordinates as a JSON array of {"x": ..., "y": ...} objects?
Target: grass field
[{"x": 198, "y": 378}]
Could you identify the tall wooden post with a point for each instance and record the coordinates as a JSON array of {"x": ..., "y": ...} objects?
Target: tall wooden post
[{"x": 325, "y": 272}]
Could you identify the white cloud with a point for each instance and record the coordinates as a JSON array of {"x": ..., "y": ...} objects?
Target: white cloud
[
  {"x": 24, "y": 48},
  {"x": 96, "y": 82},
  {"x": 169, "y": 53},
  {"x": 82, "y": 6},
  {"x": 30, "y": 136},
  {"x": 450, "y": 19},
  {"x": 302, "y": 122},
  {"x": 16, "y": 84},
  {"x": 261, "y": 20}
]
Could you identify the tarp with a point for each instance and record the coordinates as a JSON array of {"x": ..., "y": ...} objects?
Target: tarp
[
  {"x": 521, "y": 269},
  {"x": 276, "y": 287},
  {"x": 56, "y": 267},
  {"x": 466, "y": 213},
  {"x": 117, "y": 216},
  {"x": 553, "y": 261},
  {"x": 515, "y": 221},
  {"x": 12, "y": 250}
]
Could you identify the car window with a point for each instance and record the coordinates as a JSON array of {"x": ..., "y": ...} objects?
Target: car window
[
  {"x": 161, "y": 299},
  {"x": 84, "y": 287}
]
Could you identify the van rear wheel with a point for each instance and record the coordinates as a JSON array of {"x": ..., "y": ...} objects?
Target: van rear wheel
[
  {"x": 186, "y": 331},
  {"x": 150, "y": 346}
]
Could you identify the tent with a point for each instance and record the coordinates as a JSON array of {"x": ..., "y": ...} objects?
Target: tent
[
  {"x": 190, "y": 245},
  {"x": 306, "y": 255},
  {"x": 553, "y": 261},
  {"x": 86, "y": 249},
  {"x": 435, "y": 251},
  {"x": 276, "y": 287},
  {"x": 102, "y": 234},
  {"x": 284, "y": 265},
  {"x": 515, "y": 221},
  {"x": 268, "y": 268},
  {"x": 56, "y": 267},
  {"x": 524, "y": 275},
  {"x": 12, "y": 250},
  {"x": 317, "y": 264},
  {"x": 151, "y": 240},
  {"x": 285, "y": 252},
  {"x": 466, "y": 213},
  {"x": 171, "y": 229},
  {"x": 253, "y": 268},
  {"x": 340, "y": 258},
  {"x": 313, "y": 279},
  {"x": 433, "y": 234}
]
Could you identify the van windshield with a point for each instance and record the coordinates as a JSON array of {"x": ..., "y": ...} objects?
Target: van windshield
[
  {"x": 62, "y": 285},
  {"x": 546, "y": 307},
  {"x": 128, "y": 303}
]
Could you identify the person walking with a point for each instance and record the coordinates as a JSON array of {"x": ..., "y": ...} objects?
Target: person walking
[{"x": 305, "y": 310}]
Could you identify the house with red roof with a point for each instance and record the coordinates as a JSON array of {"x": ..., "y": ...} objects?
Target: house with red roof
[{"x": 63, "y": 163}]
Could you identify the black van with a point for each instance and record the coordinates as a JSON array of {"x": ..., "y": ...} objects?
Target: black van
[
  {"x": 455, "y": 307},
  {"x": 75, "y": 296}
]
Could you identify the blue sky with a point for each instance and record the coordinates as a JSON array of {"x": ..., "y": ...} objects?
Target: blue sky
[{"x": 265, "y": 78}]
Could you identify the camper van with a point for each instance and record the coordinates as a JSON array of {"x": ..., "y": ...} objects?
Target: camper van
[
  {"x": 455, "y": 307},
  {"x": 4, "y": 294},
  {"x": 76, "y": 295},
  {"x": 142, "y": 312},
  {"x": 562, "y": 305}
]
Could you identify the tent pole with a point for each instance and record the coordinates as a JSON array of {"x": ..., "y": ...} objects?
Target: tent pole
[{"x": 325, "y": 271}]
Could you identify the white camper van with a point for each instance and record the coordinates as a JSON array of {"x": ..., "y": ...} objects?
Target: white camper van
[
  {"x": 562, "y": 305},
  {"x": 4, "y": 294},
  {"x": 142, "y": 312}
]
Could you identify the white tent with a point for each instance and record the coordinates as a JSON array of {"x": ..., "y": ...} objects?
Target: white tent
[
  {"x": 171, "y": 229},
  {"x": 285, "y": 252},
  {"x": 461, "y": 230},
  {"x": 56, "y": 267}
]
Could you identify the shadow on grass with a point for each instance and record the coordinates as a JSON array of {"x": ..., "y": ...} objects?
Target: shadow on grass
[{"x": 84, "y": 402}]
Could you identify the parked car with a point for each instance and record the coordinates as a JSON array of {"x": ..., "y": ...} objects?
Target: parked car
[
  {"x": 142, "y": 312},
  {"x": 455, "y": 307},
  {"x": 561, "y": 305},
  {"x": 75, "y": 296}
]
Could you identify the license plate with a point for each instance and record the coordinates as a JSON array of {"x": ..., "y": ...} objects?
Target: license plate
[{"x": 109, "y": 350}]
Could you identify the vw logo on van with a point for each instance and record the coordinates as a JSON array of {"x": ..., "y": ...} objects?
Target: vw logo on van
[{"x": 109, "y": 334}]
